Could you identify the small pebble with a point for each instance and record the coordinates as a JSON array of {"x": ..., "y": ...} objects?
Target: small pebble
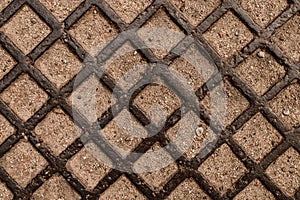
[
  {"x": 220, "y": 34},
  {"x": 286, "y": 112},
  {"x": 199, "y": 131},
  {"x": 33, "y": 21},
  {"x": 261, "y": 54}
]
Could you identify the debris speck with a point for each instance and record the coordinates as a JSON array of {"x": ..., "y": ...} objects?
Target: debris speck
[
  {"x": 261, "y": 54},
  {"x": 286, "y": 112},
  {"x": 199, "y": 131}
]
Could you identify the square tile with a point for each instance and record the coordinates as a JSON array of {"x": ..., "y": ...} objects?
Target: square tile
[
  {"x": 87, "y": 168},
  {"x": 158, "y": 178},
  {"x": 93, "y": 30},
  {"x": 193, "y": 68},
  {"x": 125, "y": 66},
  {"x": 157, "y": 102},
  {"x": 57, "y": 131},
  {"x": 92, "y": 98},
  {"x": 61, "y": 8},
  {"x": 260, "y": 71},
  {"x": 228, "y": 35},
  {"x": 55, "y": 188},
  {"x": 258, "y": 137},
  {"x": 264, "y": 12},
  {"x": 222, "y": 169},
  {"x": 58, "y": 64},
  {"x": 6, "y": 129},
  {"x": 124, "y": 133},
  {"x": 286, "y": 105},
  {"x": 6, "y": 64},
  {"x": 255, "y": 190},
  {"x": 5, "y": 193},
  {"x": 23, "y": 163},
  {"x": 128, "y": 10},
  {"x": 285, "y": 171},
  {"x": 188, "y": 190},
  {"x": 26, "y": 29},
  {"x": 24, "y": 96},
  {"x": 286, "y": 36},
  {"x": 196, "y": 11},
  {"x": 122, "y": 189},
  {"x": 160, "y": 33},
  {"x": 236, "y": 103},
  {"x": 192, "y": 135}
]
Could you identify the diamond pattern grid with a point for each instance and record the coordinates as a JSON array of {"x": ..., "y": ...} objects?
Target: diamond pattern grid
[{"x": 26, "y": 30}]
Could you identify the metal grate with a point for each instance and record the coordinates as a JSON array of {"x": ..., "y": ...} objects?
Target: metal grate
[{"x": 188, "y": 168}]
